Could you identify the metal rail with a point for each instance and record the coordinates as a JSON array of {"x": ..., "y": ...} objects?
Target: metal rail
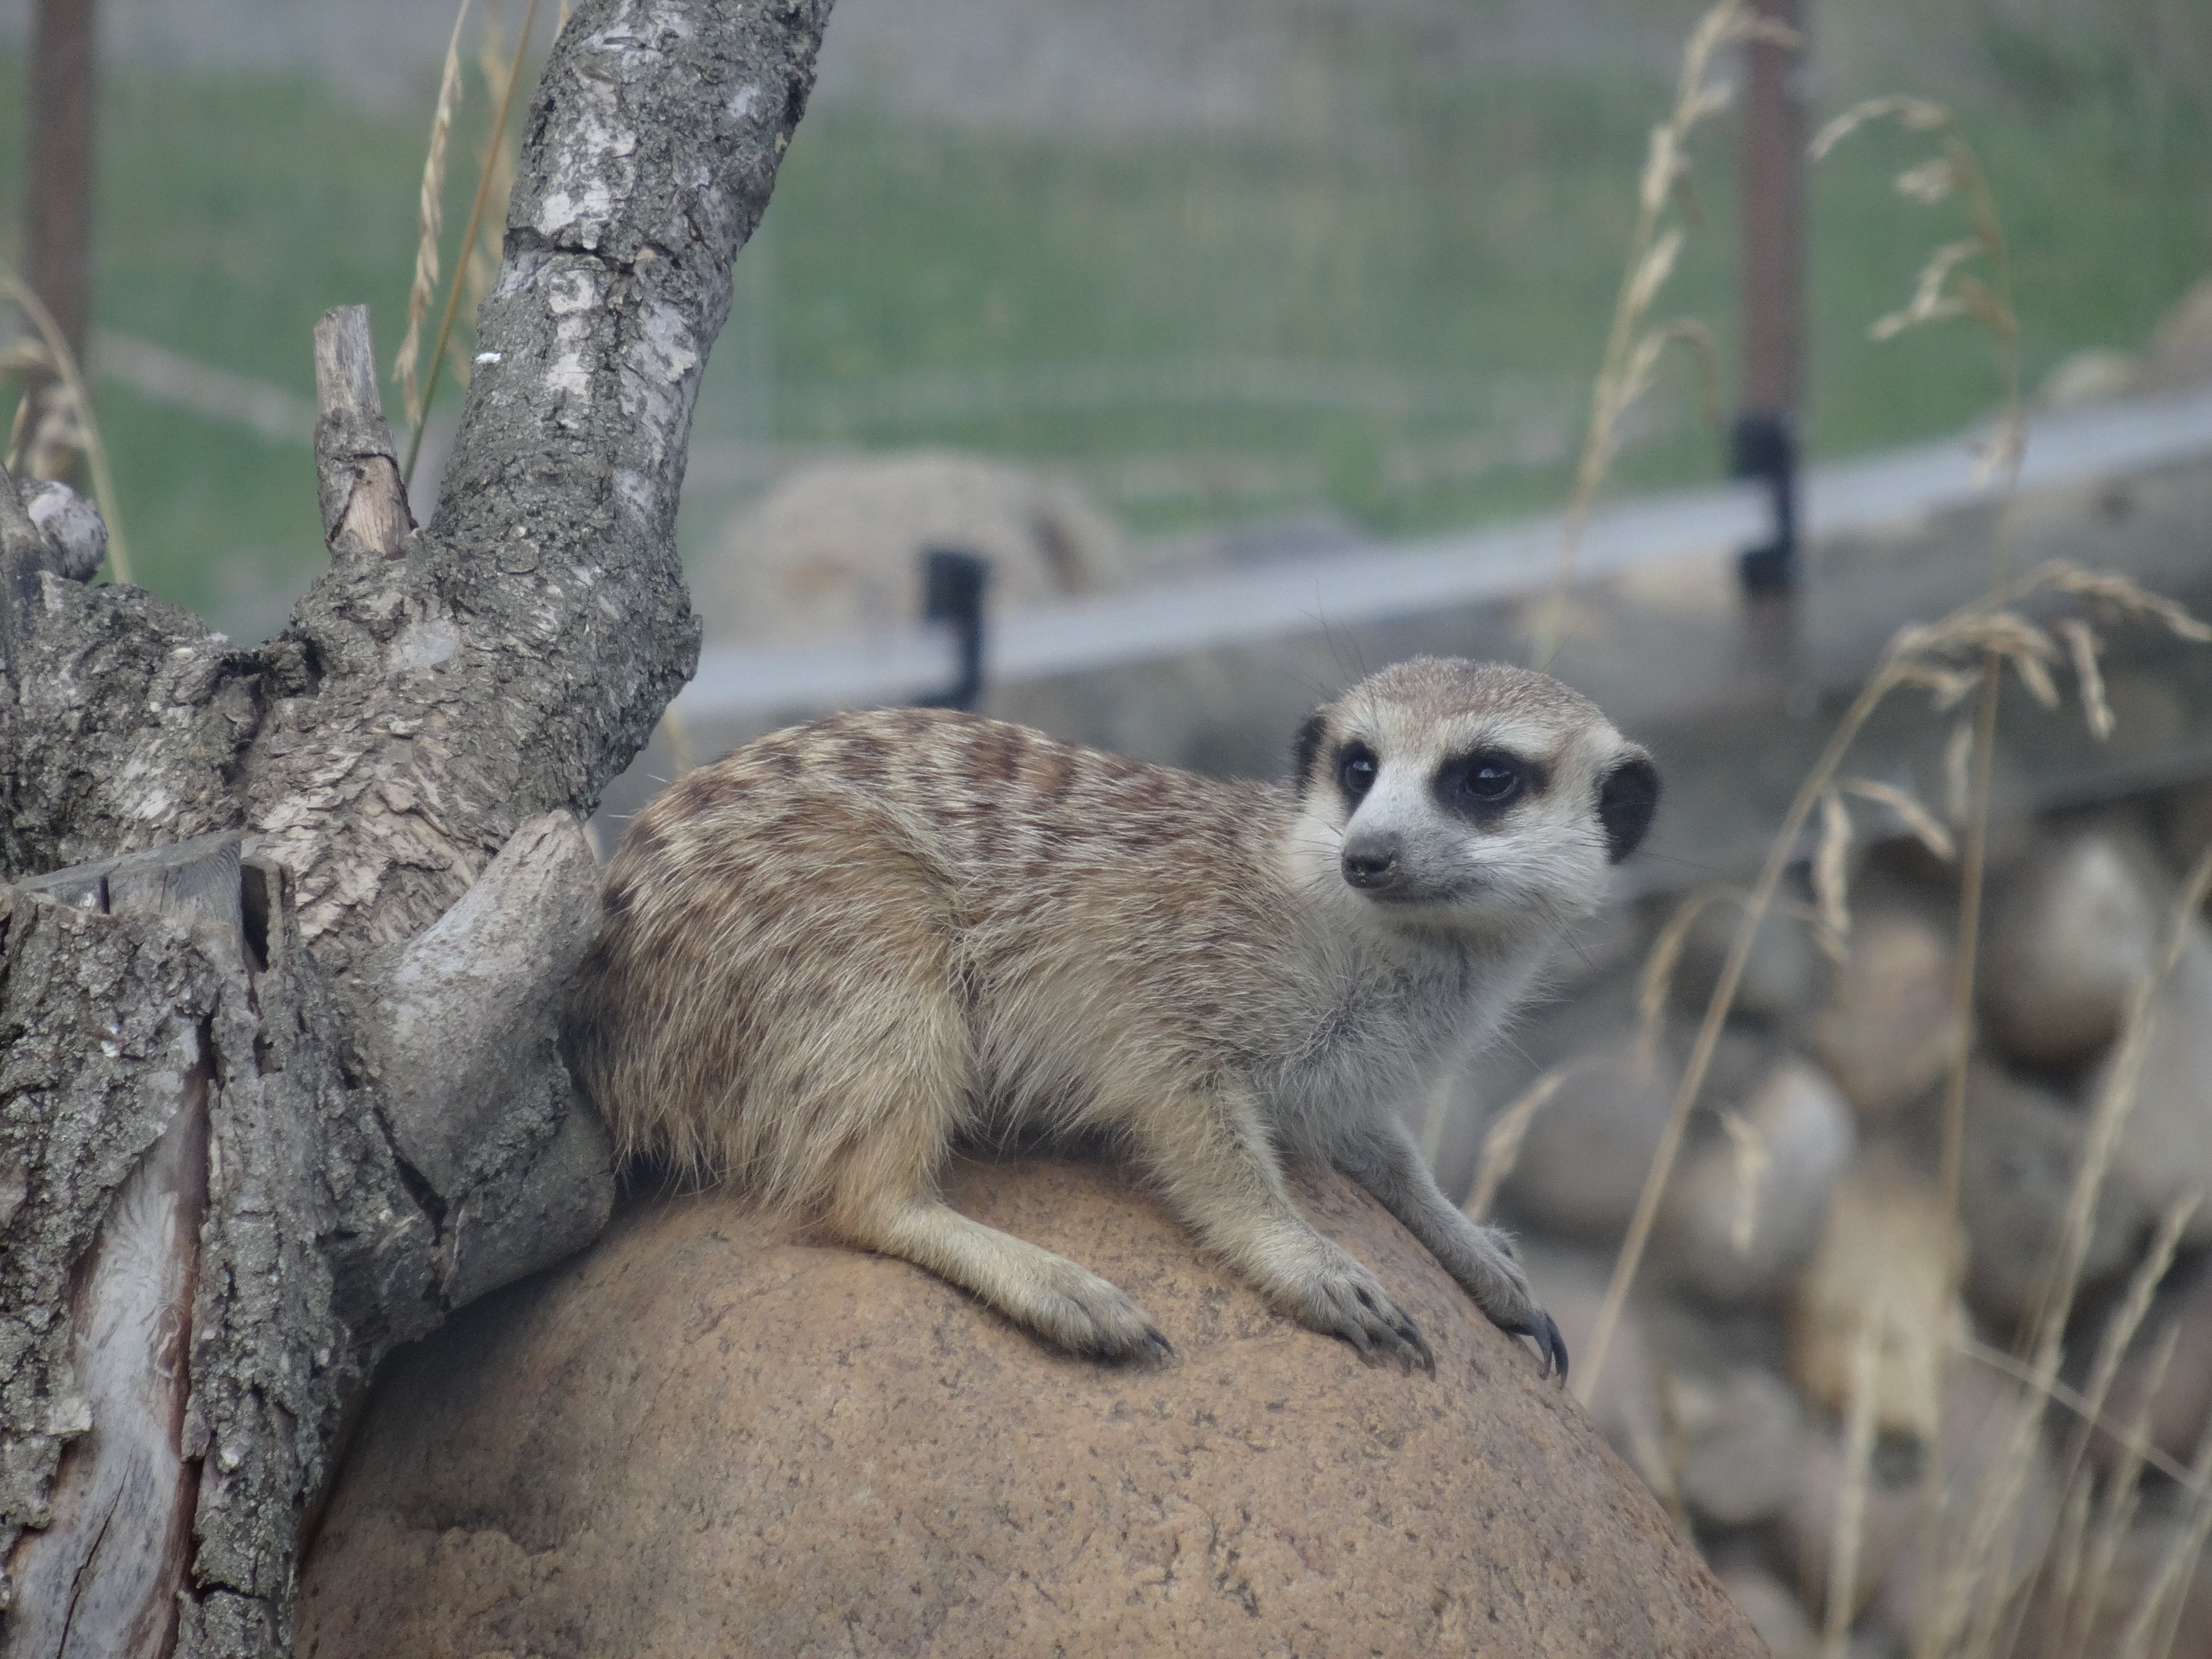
[{"x": 1304, "y": 597}]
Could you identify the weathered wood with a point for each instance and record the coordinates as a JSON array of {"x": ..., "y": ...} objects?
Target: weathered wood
[
  {"x": 80, "y": 1122},
  {"x": 121, "y": 718},
  {"x": 364, "y": 504},
  {"x": 462, "y": 1036},
  {"x": 102, "y": 1576},
  {"x": 19, "y": 537}
]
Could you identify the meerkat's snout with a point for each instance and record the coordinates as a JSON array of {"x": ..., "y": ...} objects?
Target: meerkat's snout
[{"x": 1372, "y": 861}]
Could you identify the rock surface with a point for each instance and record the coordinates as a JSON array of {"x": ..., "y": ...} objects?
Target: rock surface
[
  {"x": 1586, "y": 1153},
  {"x": 712, "y": 1434}
]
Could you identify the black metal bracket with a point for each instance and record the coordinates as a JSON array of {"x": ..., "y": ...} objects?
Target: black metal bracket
[
  {"x": 1764, "y": 446},
  {"x": 952, "y": 587}
]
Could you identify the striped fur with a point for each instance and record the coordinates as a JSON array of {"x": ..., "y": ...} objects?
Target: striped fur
[{"x": 839, "y": 950}]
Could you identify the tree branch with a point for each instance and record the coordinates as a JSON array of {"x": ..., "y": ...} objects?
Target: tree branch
[
  {"x": 547, "y": 596},
  {"x": 329, "y": 987}
]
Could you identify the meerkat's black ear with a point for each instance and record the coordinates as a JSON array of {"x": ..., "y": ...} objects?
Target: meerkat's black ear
[
  {"x": 1308, "y": 746},
  {"x": 1626, "y": 801}
]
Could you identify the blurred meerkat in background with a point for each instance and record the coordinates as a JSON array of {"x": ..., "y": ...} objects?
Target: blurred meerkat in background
[{"x": 840, "y": 950}]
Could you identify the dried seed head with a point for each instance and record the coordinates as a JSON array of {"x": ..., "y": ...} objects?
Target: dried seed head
[{"x": 431, "y": 221}]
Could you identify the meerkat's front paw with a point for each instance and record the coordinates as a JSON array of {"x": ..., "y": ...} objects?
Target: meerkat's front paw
[
  {"x": 1337, "y": 1295},
  {"x": 1499, "y": 1285}
]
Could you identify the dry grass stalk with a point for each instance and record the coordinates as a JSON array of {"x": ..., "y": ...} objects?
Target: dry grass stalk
[
  {"x": 1848, "y": 1531},
  {"x": 1633, "y": 350},
  {"x": 499, "y": 153},
  {"x": 1501, "y": 1146},
  {"x": 1656, "y": 982},
  {"x": 2133, "y": 1439},
  {"x": 61, "y": 362},
  {"x": 485, "y": 177},
  {"x": 1959, "y": 771},
  {"x": 430, "y": 222},
  {"x": 1751, "y": 1158},
  {"x": 1673, "y": 1448},
  {"x": 2065, "y": 1549},
  {"x": 1919, "y": 658},
  {"x": 2114, "y": 595},
  {"x": 2115, "y": 1512},
  {"x": 1948, "y": 288},
  {"x": 1923, "y": 825},
  {"x": 2127, "y": 1318},
  {"x": 2111, "y": 1113},
  {"x": 1973, "y": 1596},
  {"x": 1831, "y": 868},
  {"x": 2152, "y": 1629}
]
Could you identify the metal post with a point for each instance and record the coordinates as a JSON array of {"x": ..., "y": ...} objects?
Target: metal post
[
  {"x": 953, "y": 584},
  {"x": 1765, "y": 436},
  {"x": 57, "y": 223}
]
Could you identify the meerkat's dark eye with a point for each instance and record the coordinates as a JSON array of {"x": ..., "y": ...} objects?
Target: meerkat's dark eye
[
  {"x": 1480, "y": 783},
  {"x": 1356, "y": 770},
  {"x": 1491, "y": 781}
]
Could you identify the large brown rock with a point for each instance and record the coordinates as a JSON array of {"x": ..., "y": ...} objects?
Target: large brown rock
[{"x": 711, "y": 1434}]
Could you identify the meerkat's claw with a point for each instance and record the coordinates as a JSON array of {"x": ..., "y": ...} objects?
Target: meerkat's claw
[
  {"x": 1544, "y": 1331},
  {"x": 1425, "y": 1355},
  {"x": 1158, "y": 1347}
]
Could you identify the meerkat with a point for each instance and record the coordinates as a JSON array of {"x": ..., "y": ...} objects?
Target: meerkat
[{"x": 840, "y": 951}]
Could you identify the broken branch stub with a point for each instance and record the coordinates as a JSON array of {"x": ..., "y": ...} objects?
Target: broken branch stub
[
  {"x": 463, "y": 1034},
  {"x": 356, "y": 468}
]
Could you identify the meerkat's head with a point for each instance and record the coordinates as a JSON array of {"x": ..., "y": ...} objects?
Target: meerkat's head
[{"x": 1465, "y": 797}]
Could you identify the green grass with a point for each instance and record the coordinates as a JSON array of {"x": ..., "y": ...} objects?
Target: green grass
[{"x": 1468, "y": 238}]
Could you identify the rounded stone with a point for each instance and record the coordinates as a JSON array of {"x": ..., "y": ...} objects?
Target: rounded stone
[
  {"x": 2023, "y": 1147},
  {"x": 2165, "y": 1152},
  {"x": 2071, "y": 933},
  {"x": 713, "y": 1433},
  {"x": 1782, "y": 976},
  {"x": 1889, "y": 1028},
  {"x": 1743, "y": 1211},
  {"x": 834, "y": 552}
]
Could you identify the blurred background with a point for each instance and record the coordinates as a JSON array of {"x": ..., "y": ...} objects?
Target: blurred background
[
  {"x": 1251, "y": 344},
  {"x": 1313, "y": 268}
]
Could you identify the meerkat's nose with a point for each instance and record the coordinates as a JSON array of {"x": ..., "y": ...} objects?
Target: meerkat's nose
[{"x": 1370, "y": 861}]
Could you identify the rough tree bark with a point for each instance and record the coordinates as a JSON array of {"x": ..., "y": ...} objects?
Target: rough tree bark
[{"x": 278, "y": 1086}]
